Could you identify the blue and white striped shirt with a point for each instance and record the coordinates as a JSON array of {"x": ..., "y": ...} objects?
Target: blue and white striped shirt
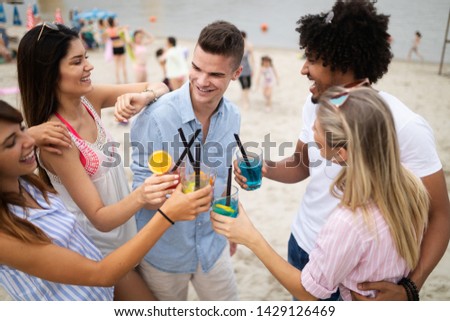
[{"x": 60, "y": 225}]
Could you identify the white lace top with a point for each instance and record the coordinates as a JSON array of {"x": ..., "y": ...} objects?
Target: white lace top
[{"x": 108, "y": 177}]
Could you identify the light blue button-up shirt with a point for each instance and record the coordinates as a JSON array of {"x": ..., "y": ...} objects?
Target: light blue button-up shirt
[{"x": 187, "y": 243}]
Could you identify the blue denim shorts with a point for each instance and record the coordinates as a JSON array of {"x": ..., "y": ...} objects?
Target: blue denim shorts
[{"x": 298, "y": 258}]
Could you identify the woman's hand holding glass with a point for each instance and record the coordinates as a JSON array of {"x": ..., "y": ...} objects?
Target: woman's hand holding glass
[
  {"x": 238, "y": 230},
  {"x": 155, "y": 189},
  {"x": 186, "y": 207}
]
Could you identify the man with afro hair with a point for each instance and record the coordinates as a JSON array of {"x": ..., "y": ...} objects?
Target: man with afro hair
[{"x": 345, "y": 46}]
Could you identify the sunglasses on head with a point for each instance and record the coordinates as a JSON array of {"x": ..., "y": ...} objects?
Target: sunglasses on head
[
  {"x": 339, "y": 99},
  {"x": 49, "y": 25}
]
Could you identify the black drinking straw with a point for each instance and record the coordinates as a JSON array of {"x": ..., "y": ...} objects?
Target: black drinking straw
[
  {"x": 186, "y": 150},
  {"x": 185, "y": 143},
  {"x": 244, "y": 154},
  {"x": 228, "y": 196},
  {"x": 197, "y": 166}
]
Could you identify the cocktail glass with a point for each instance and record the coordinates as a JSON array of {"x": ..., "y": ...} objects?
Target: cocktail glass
[
  {"x": 227, "y": 205},
  {"x": 192, "y": 181},
  {"x": 251, "y": 166}
]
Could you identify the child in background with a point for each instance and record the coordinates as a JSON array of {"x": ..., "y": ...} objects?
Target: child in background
[
  {"x": 141, "y": 40},
  {"x": 268, "y": 77},
  {"x": 415, "y": 46}
]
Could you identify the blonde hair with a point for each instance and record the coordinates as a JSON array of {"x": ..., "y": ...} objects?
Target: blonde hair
[{"x": 374, "y": 173}]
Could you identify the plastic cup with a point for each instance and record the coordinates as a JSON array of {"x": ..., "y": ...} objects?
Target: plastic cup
[
  {"x": 251, "y": 166},
  {"x": 228, "y": 206},
  {"x": 207, "y": 176}
]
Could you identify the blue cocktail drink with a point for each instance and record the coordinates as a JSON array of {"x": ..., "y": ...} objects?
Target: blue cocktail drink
[
  {"x": 227, "y": 205},
  {"x": 252, "y": 172},
  {"x": 250, "y": 165}
]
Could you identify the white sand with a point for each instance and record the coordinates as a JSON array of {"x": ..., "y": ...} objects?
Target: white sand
[{"x": 273, "y": 205}]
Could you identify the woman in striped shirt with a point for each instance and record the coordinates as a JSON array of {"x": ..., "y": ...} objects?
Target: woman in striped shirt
[
  {"x": 44, "y": 254},
  {"x": 375, "y": 232}
]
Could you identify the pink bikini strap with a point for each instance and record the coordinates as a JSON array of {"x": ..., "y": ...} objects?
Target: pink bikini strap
[
  {"x": 69, "y": 127},
  {"x": 74, "y": 132}
]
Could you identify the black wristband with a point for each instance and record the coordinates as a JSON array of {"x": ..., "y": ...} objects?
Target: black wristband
[
  {"x": 165, "y": 216},
  {"x": 402, "y": 282},
  {"x": 412, "y": 291}
]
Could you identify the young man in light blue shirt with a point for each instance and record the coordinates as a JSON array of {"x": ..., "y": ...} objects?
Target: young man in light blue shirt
[{"x": 192, "y": 251}]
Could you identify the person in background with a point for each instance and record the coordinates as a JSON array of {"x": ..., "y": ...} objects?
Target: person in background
[
  {"x": 4, "y": 51},
  {"x": 247, "y": 63},
  {"x": 88, "y": 35},
  {"x": 99, "y": 33},
  {"x": 374, "y": 233},
  {"x": 44, "y": 253},
  {"x": 141, "y": 41},
  {"x": 267, "y": 78},
  {"x": 117, "y": 36},
  {"x": 176, "y": 65},
  {"x": 415, "y": 46},
  {"x": 335, "y": 59},
  {"x": 87, "y": 174},
  {"x": 161, "y": 57}
]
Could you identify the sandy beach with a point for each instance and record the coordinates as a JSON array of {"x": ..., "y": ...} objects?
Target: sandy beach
[{"x": 273, "y": 206}]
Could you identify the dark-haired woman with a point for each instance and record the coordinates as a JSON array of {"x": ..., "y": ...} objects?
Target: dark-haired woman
[
  {"x": 54, "y": 76},
  {"x": 44, "y": 253}
]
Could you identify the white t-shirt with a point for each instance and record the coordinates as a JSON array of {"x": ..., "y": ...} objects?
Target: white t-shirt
[
  {"x": 176, "y": 64},
  {"x": 417, "y": 153}
]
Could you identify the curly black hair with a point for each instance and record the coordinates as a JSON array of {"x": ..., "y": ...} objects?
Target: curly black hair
[{"x": 352, "y": 36}]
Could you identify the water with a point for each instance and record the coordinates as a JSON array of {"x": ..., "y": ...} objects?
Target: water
[{"x": 184, "y": 19}]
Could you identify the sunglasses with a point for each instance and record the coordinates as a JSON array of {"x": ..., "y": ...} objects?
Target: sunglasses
[
  {"x": 338, "y": 100},
  {"x": 49, "y": 25}
]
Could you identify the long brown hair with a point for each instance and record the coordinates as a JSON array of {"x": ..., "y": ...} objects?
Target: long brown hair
[
  {"x": 374, "y": 173},
  {"x": 38, "y": 72},
  {"x": 11, "y": 224}
]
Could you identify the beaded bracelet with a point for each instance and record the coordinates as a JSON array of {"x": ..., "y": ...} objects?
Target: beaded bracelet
[
  {"x": 165, "y": 216},
  {"x": 411, "y": 289},
  {"x": 154, "y": 94}
]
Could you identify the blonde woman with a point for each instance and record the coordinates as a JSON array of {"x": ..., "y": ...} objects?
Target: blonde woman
[{"x": 375, "y": 232}]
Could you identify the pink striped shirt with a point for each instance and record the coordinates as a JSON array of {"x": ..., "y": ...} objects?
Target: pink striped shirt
[{"x": 350, "y": 251}]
